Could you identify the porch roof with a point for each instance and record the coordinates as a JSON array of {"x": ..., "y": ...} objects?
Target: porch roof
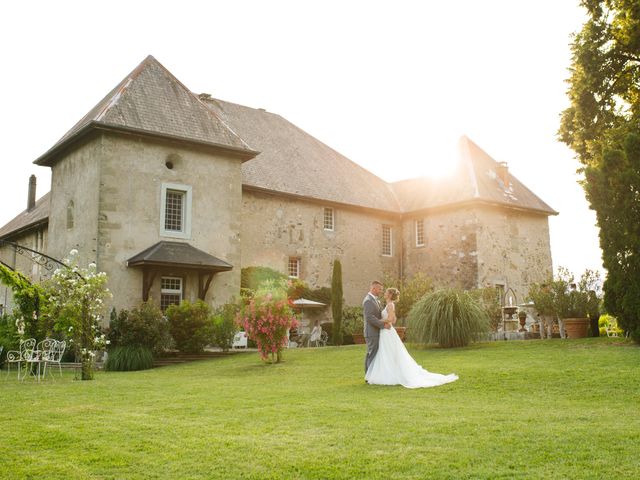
[{"x": 178, "y": 254}]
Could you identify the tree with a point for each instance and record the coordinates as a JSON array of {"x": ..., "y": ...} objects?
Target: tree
[
  {"x": 336, "y": 302},
  {"x": 602, "y": 126}
]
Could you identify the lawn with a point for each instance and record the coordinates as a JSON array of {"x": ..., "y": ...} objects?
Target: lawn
[{"x": 533, "y": 409}]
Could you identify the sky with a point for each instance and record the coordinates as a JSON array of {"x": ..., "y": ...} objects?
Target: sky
[{"x": 392, "y": 85}]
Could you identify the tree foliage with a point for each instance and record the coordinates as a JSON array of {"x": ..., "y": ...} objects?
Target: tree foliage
[
  {"x": 602, "y": 125},
  {"x": 29, "y": 297},
  {"x": 336, "y": 302}
]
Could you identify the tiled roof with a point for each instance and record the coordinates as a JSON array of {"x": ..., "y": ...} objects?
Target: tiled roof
[
  {"x": 178, "y": 254},
  {"x": 476, "y": 179},
  {"x": 150, "y": 100},
  {"x": 28, "y": 218},
  {"x": 292, "y": 161}
]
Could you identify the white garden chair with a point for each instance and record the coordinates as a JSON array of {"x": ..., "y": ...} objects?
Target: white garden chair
[
  {"x": 54, "y": 357},
  {"x": 20, "y": 356},
  {"x": 319, "y": 340},
  {"x": 239, "y": 340}
]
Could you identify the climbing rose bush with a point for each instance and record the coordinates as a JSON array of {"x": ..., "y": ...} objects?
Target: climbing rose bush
[
  {"x": 267, "y": 322},
  {"x": 76, "y": 302}
]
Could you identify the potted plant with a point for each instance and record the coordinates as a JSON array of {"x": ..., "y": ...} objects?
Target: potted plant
[
  {"x": 352, "y": 325},
  {"x": 571, "y": 304},
  {"x": 542, "y": 296}
]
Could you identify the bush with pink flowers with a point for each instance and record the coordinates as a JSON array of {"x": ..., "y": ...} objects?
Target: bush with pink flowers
[{"x": 267, "y": 320}]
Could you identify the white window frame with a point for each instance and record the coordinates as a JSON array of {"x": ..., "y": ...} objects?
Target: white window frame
[
  {"x": 420, "y": 233},
  {"x": 186, "y": 223},
  {"x": 297, "y": 267},
  {"x": 388, "y": 228},
  {"x": 168, "y": 291},
  {"x": 325, "y": 211}
]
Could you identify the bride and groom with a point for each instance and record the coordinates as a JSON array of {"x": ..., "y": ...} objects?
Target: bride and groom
[{"x": 387, "y": 361}]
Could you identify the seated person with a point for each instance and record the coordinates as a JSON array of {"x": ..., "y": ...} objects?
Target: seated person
[{"x": 316, "y": 333}]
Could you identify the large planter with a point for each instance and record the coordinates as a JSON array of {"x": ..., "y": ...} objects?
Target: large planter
[
  {"x": 402, "y": 331},
  {"x": 358, "y": 338},
  {"x": 576, "y": 327}
]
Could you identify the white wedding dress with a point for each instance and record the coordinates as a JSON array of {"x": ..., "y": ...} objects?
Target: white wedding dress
[{"x": 393, "y": 365}]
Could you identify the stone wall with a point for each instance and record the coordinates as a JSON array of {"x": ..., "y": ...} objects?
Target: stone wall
[
  {"x": 131, "y": 178},
  {"x": 73, "y": 215},
  {"x": 514, "y": 249},
  {"x": 276, "y": 227},
  {"x": 449, "y": 254}
]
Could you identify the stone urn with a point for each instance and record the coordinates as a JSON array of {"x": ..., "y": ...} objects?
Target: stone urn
[{"x": 576, "y": 327}]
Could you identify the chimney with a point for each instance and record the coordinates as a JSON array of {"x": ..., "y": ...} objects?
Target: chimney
[
  {"x": 31, "y": 201},
  {"x": 503, "y": 173}
]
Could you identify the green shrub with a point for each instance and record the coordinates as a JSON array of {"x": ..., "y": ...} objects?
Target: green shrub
[
  {"x": 449, "y": 317},
  {"x": 224, "y": 325},
  {"x": 411, "y": 290},
  {"x": 352, "y": 322},
  {"x": 144, "y": 326},
  {"x": 190, "y": 325},
  {"x": 489, "y": 299},
  {"x": 9, "y": 338},
  {"x": 253, "y": 278},
  {"x": 128, "y": 358}
]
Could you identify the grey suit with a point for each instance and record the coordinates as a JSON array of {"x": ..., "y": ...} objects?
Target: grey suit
[{"x": 372, "y": 325}]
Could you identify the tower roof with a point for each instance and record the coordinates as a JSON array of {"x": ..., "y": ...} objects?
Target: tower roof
[{"x": 151, "y": 101}]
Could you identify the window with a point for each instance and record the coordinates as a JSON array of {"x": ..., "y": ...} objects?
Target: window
[
  {"x": 170, "y": 291},
  {"x": 419, "y": 233},
  {"x": 70, "y": 214},
  {"x": 175, "y": 211},
  {"x": 328, "y": 219},
  {"x": 294, "y": 267},
  {"x": 386, "y": 240}
]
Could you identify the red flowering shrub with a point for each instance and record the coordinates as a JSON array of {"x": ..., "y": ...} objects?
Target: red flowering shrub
[{"x": 267, "y": 322}]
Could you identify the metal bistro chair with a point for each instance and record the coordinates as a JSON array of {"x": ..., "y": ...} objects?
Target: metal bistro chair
[
  {"x": 36, "y": 357},
  {"x": 20, "y": 356},
  {"x": 240, "y": 340},
  {"x": 54, "y": 356}
]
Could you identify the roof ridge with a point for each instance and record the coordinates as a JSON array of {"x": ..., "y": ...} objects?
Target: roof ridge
[{"x": 465, "y": 149}]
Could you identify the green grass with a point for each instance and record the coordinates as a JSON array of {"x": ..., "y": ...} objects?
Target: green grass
[{"x": 535, "y": 409}]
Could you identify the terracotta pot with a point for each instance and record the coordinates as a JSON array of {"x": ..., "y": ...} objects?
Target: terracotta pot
[
  {"x": 358, "y": 338},
  {"x": 576, "y": 327},
  {"x": 402, "y": 331}
]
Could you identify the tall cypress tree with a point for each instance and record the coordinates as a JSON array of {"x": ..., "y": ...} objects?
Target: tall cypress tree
[
  {"x": 602, "y": 125},
  {"x": 336, "y": 302}
]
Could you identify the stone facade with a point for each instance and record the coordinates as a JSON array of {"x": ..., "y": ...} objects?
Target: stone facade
[
  {"x": 151, "y": 135},
  {"x": 480, "y": 246},
  {"x": 276, "y": 227},
  {"x": 115, "y": 183}
]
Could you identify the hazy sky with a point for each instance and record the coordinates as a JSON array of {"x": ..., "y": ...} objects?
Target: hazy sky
[{"x": 390, "y": 84}]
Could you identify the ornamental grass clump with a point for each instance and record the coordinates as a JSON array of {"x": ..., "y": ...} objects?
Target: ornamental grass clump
[
  {"x": 128, "y": 358},
  {"x": 267, "y": 320},
  {"x": 448, "y": 317}
]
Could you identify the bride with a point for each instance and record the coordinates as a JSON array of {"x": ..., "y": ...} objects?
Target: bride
[{"x": 393, "y": 365}]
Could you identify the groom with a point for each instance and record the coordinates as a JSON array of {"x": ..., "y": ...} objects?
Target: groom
[{"x": 372, "y": 321}]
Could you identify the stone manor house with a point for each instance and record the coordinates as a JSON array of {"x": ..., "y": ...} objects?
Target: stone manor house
[{"x": 172, "y": 193}]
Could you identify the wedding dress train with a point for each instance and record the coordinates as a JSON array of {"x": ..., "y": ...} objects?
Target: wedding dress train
[{"x": 393, "y": 365}]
